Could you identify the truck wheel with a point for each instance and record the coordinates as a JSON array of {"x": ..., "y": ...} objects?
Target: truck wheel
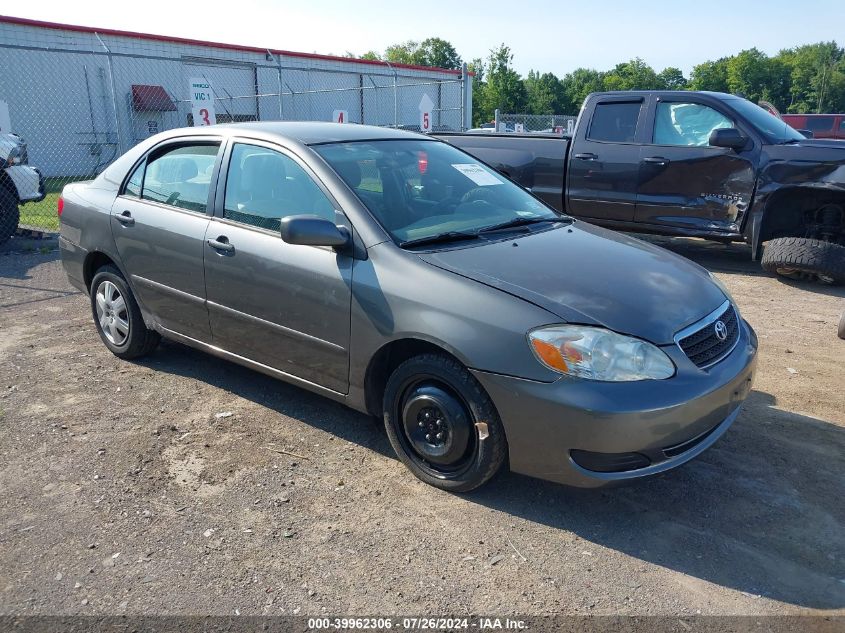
[
  {"x": 442, "y": 424},
  {"x": 118, "y": 317},
  {"x": 804, "y": 258},
  {"x": 9, "y": 214}
]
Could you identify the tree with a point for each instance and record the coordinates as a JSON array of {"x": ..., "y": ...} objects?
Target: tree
[
  {"x": 578, "y": 84},
  {"x": 371, "y": 55},
  {"x": 476, "y": 67},
  {"x": 504, "y": 89},
  {"x": 545, "y": 94},
  {"x": 710, "y": 75},
  {"x": 671, "y": 79},
  {"x": 402, "y": 53},
  {"x": 816, "y": 77},
  {"x": 632, "y": 75},
  {"x": 438, "y": 53}
]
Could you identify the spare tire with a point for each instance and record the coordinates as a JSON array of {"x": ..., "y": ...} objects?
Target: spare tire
[
  {"x": 9, "y": 214},
  {"x": 800, "y": 257}
]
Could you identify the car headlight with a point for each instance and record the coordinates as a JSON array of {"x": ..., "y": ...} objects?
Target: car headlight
[{"x": 598, "y": 354}]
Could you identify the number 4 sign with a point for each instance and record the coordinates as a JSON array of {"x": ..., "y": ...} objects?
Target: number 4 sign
[{"x": 426, "y": 104}]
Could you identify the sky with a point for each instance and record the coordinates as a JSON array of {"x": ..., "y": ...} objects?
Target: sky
[{"x": 543, "y": 35}]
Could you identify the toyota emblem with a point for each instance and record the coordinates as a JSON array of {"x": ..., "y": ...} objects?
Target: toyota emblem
[{"x": 721, "y": 330}]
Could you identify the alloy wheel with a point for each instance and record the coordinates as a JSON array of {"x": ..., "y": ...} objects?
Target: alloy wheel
[{"x": 112, "y": 313}]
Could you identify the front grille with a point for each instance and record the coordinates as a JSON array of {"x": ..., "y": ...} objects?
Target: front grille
[
  {"x": 609, "y": 462},
  {"x": 704, "y": 348}
]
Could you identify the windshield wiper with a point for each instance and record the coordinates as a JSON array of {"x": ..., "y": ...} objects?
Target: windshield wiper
[
  {"x": 448, "y": 236},
  {"x": 522, "y": 221}
]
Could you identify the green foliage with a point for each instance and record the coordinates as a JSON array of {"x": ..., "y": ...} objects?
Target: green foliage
[
  {"x": 503, "y": 89},
  {"x": 430, "y": 52},
  {"x": 545, "y": 94}
]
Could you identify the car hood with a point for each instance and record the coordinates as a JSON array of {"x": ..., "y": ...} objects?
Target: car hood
[{"x": 589, "y": 275}]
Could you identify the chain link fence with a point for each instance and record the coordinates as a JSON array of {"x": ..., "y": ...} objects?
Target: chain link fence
[
  {"x": 80, "y": 98},
  {"x": 538, "y": 123}
]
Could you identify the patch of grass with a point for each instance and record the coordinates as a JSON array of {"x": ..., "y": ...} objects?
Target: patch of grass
[{"x": 42, "y": 215}]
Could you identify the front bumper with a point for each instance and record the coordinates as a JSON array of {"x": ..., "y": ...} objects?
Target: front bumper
[
  {"x": 664, "y": 422},
  {"x": 28, "y": 181}
]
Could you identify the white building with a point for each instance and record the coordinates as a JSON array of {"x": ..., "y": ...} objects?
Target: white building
[{"x": 81, "y": 96}]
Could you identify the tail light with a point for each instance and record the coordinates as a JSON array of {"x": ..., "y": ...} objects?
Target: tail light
[
  {"x": 60, "y": 206},
  {"x": 422, "y": 162}
]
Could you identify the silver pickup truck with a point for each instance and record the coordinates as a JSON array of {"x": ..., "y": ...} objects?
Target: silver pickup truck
[{"x": 19, "y": 183}]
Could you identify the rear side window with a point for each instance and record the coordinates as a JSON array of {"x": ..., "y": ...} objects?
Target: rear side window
[
  {"x": 842, "y": 125},
  {"x": 820, "y": 123},
  {"x": 181, "y": 177},
  {"x": 615, "y": 122}
]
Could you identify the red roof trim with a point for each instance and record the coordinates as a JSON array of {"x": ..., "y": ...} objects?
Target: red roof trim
[{"x": 235, "y": 47}]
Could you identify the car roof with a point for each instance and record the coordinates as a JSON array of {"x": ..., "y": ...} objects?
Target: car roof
[
  {"x": 311, "y": 132},
  {"x": 667, "y": 93}
]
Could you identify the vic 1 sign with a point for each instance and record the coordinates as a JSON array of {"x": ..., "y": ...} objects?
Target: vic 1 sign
[
  {"x": 426, "y": 104},
  {"x": 202, "y": 102}
]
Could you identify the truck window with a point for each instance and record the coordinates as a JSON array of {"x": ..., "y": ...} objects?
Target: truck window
[
  {"x": 687, "y": 124},
  {"x": 820, "y": 123},
  {"x": 614, "y": 122}
]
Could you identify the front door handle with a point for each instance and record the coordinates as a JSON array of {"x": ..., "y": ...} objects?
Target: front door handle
[
  {"x": 221, "y": 244},
  {"x": 586, "y": 156},
  {"x": 656, "y": 160},
  {"x": 125, "y": 218}
]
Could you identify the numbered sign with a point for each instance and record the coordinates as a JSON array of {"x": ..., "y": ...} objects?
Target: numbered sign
[
  {"x": 340, "y": 116},
  {"x": 426, "y": 105},
  {"x": 519, "y": 128},
  {"x": 202, "y": 102}
]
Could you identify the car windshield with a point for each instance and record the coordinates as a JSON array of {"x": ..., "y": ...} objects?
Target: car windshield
[
  {"x": 421, "y": 189},
  {"x": 768, "y": 124}
]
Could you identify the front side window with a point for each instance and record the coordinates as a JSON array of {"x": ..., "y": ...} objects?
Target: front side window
[
  {"x": 418, "y": 189},
  {"x": 615, "y": 122},
  {"x": 181, "y": 177},
  {"x": 687, "y": 124},
  {"x": 263, "y": 186}
]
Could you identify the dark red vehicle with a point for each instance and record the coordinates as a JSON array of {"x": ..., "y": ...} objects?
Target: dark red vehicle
[{"x": 821, "y": 125}]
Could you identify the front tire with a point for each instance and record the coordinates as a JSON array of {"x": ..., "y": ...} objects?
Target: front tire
[
  {"x": 442, "y": 424},
  {"x": 10, "y": 214},
  {"x": 804, "y": 258},
  {"x": 117, "y": 316}
]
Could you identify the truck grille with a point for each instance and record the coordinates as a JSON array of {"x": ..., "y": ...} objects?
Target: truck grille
[{"x": 704, "y": 347}]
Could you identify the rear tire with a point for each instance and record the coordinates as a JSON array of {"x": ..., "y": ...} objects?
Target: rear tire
[
  {"x": 442, "y": 424},
  {"x": 10, "y": 214},
  {"x": 804, "y": 258},
  {"x": 117, "y": 316}
]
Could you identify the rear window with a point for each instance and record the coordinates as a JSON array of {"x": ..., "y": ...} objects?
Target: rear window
[
  {"x": 615, "y": 122},
  {"x": 819, "y": 123}
]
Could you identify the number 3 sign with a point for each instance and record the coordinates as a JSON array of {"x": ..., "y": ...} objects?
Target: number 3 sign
[{"x": 202, "y": 102}]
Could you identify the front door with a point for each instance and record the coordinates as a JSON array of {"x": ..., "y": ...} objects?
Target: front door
[
  {"x": 159, "y": 222},
  {"x": 604, "y": 162},
  {"x": 282, "y": 305},
  {"x": 686, "y": 183}
]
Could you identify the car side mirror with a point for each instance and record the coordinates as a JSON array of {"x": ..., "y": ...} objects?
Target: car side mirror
[
  {"x": 728, "y": 137},
  {"x": 311, "y": 230}
]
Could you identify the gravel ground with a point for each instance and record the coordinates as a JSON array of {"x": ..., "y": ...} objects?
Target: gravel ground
[{"x": 161, "y": 487}]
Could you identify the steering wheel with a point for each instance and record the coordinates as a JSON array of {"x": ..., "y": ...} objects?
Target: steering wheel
[{"x": 479, "y": 194}]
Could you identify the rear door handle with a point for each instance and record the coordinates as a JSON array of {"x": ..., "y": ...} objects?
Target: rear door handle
[
  {"x": 125, "y": 218},
  {"x": 221, "y": 244},
  {"x": 656, "y": 160},
  {"x": 586, "y": 156}
]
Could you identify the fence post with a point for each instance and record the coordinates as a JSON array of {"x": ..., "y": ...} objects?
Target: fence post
[
  {"x": 113, "y": 94},
  {"x": 279, "y": 62},
  {"x": 497, "y": 119},
  {"x": 462, "y": 126}
]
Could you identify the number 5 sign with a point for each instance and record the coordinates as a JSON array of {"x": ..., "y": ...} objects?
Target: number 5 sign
[
  {"x": 426, "y": 104},
  {"x": 202, "y": 102}
]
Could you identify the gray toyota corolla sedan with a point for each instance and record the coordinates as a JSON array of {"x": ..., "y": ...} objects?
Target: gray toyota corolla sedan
[{"x": 398, "y": 275}]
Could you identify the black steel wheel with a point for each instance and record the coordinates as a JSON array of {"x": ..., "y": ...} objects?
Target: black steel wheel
[{"x": 442, "y": 424}]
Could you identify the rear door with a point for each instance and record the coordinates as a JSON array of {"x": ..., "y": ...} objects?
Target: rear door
[
  {"x": 683, "y": 181},
  {"x": 282, "y": 305},
  {"x": 159, "y": 222},
  {"x": 605, "y": 160}
]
